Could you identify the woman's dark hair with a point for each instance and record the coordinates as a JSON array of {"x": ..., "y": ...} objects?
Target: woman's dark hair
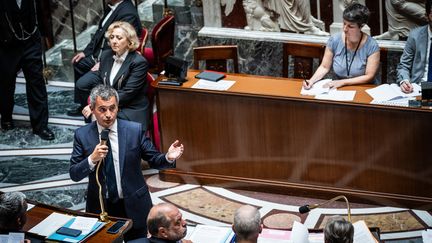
[
  {"x": 356, "y": 13},
  {"x": 428, "y": 7}
]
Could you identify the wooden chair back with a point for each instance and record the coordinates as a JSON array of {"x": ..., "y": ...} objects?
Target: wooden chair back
[
  {"x": 216, "y": 57},
  {"x": 303, "y": 54}
]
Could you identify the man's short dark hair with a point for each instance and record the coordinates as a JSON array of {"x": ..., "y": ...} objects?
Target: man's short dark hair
[
  {"x": 103, "y": 91},
  {"x": 11, "y": 208},
  {"x": 356, "y": 13},
  {"x": 160, "y": 220},
  {"x": 338, "y": 230}
]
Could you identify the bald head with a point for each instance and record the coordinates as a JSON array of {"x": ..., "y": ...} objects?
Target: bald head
[
  {"x": 247, "y": 223},
  {"x": 165, "y": 221}
]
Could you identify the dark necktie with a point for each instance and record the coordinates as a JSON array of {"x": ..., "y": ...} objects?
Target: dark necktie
[
  {"x": 429, "y": 78},
  {"x": 110, "y": 176}
]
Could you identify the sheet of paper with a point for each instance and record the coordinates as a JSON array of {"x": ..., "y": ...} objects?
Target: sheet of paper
[
  {"x": 300, "y": 233},
  {"x": 274, "y": 236},
  {"x": 386, "y": 92},
  {"x": 85, "y": 224},
  {"x": 51, "y": 224},
  {"x": 416, "y": 90},
  {"x": 362, "y": 233},
  {"x": 339, "y": 95},
  {"x": 427, "y": 236},
  {"x": 382, "y": 93},
  {"x": 317, "y": 88},
  {"x": 210, "y": 234},
  {"x": 15, "y": 238},
  {"x": 211, "y": 85},
  {"x": 30, "y": 206}
]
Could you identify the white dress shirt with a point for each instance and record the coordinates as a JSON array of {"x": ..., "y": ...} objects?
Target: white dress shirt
[
  {"x": 118, "y": 62},
  {"x": 113, "y": 7},
  {"x": 113, "y": 138}
]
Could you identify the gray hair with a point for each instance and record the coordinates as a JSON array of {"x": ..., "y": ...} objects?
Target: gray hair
[
  {"x": 11, "y": 208},
  {"x": 247, "y": 222},
  {"x": 338, "y": 230},
  {"x": 105, "y": 92}
]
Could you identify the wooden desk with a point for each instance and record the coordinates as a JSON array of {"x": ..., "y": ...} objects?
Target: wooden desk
[
  {"x": 263, "y": 135},
  {"x": 38, "y": 213}
]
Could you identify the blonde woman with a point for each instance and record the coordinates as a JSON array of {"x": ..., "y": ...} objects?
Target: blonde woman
[{"x": 125, "y": 70}]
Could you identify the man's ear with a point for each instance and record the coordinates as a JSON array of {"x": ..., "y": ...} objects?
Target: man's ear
[{"x": 163, "y": 232}]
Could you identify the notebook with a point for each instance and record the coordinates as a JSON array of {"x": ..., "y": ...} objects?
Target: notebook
[{"x": 209, "y": 75}]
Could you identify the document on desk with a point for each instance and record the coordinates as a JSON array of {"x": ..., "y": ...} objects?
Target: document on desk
[
  {"x": 211, "y": 85},
  {"x": 51, "y": 224},
  {"x": 338, "y": 95},
  {"x": 211, "y": 234},
  {"x": 85, "y": 224},
  {"x": 427, "y": 236},
  {"x": 317, "y": 88},
  {"x": 362, "y": 233},
  {"x": 386, "y": 92}
]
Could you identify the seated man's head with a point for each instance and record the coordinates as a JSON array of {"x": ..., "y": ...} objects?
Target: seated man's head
[
  {"x": 338, "y": 230},
  {"x": 165, "y": 222},
  {"x": 13, "y": 208},
  {"x": 247, "y": 224}
]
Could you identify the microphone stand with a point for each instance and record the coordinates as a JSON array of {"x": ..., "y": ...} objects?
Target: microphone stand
[
  {"x": 332, "y": 200},
  {"x": 103, "y": 215}
]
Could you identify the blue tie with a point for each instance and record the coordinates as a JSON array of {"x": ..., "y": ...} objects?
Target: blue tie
[
  {"x": 429, "y": 78},
  {"x": 110, "y": 176}
]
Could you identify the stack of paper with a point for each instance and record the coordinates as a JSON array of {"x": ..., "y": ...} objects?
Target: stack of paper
[
  {"x": 322, "y": 93},
  {"x": 386, "y": 92}
]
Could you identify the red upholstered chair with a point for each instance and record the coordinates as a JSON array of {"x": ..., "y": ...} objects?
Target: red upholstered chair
[
  {"x": 153, "y": 128},
  {"x": 162, "y": 39},
  {"x": 143, "y": 40}
]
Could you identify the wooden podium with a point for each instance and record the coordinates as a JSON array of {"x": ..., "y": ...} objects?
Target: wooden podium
[{"x": 40, "y": 211}]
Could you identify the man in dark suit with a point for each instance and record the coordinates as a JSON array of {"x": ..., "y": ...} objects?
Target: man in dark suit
[
  {"x": 20, "y": 48},
  {"x": 415, "y": 64},
  {"x": 124, "y": 189},
  {"x": 84, "y": 62}
]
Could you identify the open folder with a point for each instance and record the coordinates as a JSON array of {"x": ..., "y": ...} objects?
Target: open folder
[{"x": 54, "y": 221}]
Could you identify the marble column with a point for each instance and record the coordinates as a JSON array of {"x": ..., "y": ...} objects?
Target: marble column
[
  {"x": 338, "y": 8},
  {"x": 212, "y": 13}
]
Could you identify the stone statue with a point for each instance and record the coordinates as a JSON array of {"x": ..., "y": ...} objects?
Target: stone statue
[
  {"x": 403, "y": 16},
  {"x": 273, "y": 15},
  {"x": 258, "y": 18},
  {"x": 295, "y": 16}
]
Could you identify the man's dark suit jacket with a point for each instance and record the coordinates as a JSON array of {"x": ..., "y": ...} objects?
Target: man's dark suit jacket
[
  {"x": 131, "y": 85},
  {"x": 125, "y": 11},
  {"x": 133, "y": 146}
]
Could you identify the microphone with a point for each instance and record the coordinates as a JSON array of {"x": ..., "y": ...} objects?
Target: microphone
[
  {"x": 104, "y": 136},
  {"x": 103, "y": 215},
  {"x": 306, "y": 208}
]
